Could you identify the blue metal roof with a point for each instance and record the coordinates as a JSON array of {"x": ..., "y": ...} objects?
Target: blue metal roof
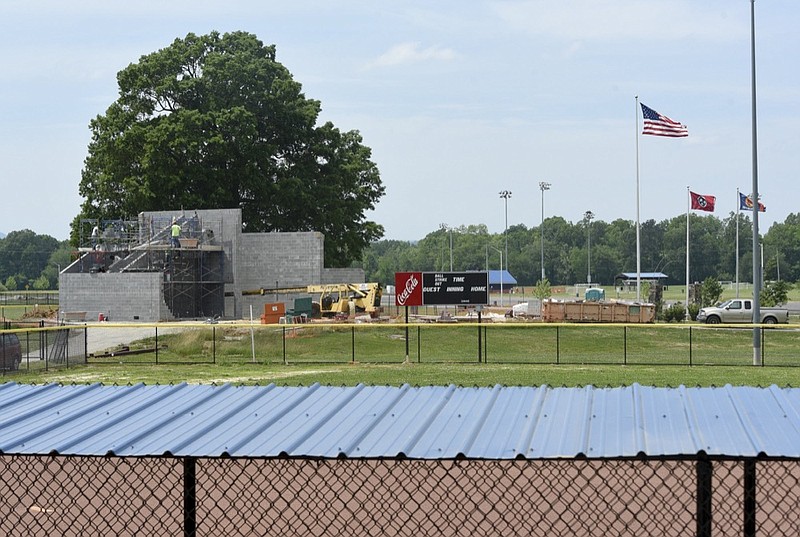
[
  {"x": 644, "y": 275},
  {"x": 508, "y": 279},
  {"x": 417, "y": 422}
]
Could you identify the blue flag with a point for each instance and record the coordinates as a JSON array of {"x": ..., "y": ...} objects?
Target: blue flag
[{"x": 746, "y": 203}]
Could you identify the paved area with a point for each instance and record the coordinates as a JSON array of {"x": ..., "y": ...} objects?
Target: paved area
[{"x": 102, "y": 336}]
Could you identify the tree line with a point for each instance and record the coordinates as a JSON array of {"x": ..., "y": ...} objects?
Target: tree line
[
  {"x": 31, "y": 261},
  {"x": 612, "y": 245}
]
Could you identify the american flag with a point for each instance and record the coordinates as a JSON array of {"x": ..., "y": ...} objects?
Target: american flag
[{"x": 658, "y": 125}]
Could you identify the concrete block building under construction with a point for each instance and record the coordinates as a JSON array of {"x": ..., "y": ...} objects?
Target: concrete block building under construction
[{"x": 129, "y": 270}]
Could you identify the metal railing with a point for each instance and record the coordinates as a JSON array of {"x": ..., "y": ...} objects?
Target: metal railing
[{"x": 72, "y": 496}]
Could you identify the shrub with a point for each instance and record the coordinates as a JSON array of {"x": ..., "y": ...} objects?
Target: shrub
[{"x": 674, "y": 313}]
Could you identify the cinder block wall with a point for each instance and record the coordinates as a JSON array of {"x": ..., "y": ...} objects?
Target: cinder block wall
[
  {"x": 226, "y": 224},
  {"x": 119, "y": 297},
  {"x": 227, "y": 227},
  {"x": 289, "y": 259}
]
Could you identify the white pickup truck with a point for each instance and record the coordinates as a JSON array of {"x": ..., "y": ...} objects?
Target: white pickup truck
[{"x": 741, "y": 311}]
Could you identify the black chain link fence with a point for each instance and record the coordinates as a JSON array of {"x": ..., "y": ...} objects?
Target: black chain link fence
[
  {"x": 528, "y": 343},
  {"x": 126, "y": 496},
  {"x": 42, "y": 348}
]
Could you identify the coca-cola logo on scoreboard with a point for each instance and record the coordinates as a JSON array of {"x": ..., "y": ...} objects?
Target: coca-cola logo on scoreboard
[{"x": 409, "y": 288}]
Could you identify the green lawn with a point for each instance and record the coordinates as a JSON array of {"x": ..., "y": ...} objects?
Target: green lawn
[{"x": 510, "y": 354}]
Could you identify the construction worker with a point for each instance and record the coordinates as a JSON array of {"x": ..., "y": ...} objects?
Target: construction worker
[{"x": 175, "y": 233}]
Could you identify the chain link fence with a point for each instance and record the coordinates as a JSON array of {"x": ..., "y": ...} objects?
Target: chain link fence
[
  {"x": 515, "y": 343},
  {"x": 42, "y": 348},
  {"x": 75, "y": 496}
]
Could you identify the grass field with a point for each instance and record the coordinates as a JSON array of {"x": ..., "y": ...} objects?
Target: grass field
[
  {"x": 511, "y": 354},
  {"x": 576, "y": 355}
]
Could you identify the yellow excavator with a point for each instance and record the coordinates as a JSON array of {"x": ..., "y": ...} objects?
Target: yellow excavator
[{"x": 334, "y": 298}]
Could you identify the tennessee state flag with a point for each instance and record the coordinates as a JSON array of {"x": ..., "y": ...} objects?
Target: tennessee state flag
[{"x": 702, "y": 203}]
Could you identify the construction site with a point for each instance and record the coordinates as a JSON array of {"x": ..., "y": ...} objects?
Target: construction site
[{"x": 207, "y": 268}]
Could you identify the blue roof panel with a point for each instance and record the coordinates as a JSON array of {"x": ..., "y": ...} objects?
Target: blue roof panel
[
  {"x": 434, "y": 422},
  {"x": 508, "y": 279},
  {"x": 644, "y": 275}
]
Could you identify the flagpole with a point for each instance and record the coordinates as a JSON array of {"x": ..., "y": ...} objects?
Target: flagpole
[
  {"x": 638, "y": 240},
  {"x": 756, "y": 266},
  {"x": 738, "y": 206},
  {"x": 688, "y": 205}
]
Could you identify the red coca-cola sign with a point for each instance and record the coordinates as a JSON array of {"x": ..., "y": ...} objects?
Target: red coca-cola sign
[{"x": 409, "y": 288}]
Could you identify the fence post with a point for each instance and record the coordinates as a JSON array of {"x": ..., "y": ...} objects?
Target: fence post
[
  {"x": 189, "y": 497},
  {"x": 479, "y": 336},
  {"x": 406, "y": 333},
  {"x": 43, "y": 349},
  {"x": 625, "y": 345},
  {"x": 419, "y": 345},
  {"x": 749, "y": 498},
  {"x": 558, "y": 345},
  {"x": 485, "y": 345},
  {"x": 353, "y": 342},
  {"x": 284, "y": 343},
  {"x": 213, "y": 344},
  {"x": 28, "y": 349},
  {"x": 85, "y": 343},
  {"x": 156, "y": 345},
  {"x": 704, "y": 478},
  {"x": 690, "y": 345}
]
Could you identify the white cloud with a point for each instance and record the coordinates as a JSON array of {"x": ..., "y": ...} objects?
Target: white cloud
[{"x": 412, "y": 53}]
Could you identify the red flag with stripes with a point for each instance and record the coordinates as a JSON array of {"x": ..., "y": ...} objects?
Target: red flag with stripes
[{"x": 660, "y": 125}]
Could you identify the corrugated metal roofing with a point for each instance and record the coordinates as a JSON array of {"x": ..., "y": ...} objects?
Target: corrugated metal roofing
[
  {"x": 417, "y": 422},
  {"x": 508, "y": 279},
  {"x": 645, "y": 275}
]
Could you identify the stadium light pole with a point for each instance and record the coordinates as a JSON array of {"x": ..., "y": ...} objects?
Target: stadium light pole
[
  {"x": 588, "y": 215},
  {"x": 542, "y": 186},
  {"x": 505, "y": 194}
]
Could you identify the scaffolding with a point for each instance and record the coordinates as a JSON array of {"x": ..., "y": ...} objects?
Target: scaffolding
[{"x": 193, "y": 271}]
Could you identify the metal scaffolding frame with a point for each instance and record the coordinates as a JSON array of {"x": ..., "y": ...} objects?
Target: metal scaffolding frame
[{"x": 193, "y": 273}]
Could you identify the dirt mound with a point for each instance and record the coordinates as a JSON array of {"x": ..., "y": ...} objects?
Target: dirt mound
[{"x": 39, "y": 312}]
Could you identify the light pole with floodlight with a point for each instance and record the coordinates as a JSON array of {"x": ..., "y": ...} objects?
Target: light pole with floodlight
[
  {"x": 587, "y": 216},
  {"x": 505, "y": 194},
  {"x": 542, "y": 186}
]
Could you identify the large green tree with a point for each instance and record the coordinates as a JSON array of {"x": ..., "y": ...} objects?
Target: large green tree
[{"x": 215, "y": 121}]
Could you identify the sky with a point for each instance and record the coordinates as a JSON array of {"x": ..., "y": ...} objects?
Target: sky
[{"x": 458, "y": 100}]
